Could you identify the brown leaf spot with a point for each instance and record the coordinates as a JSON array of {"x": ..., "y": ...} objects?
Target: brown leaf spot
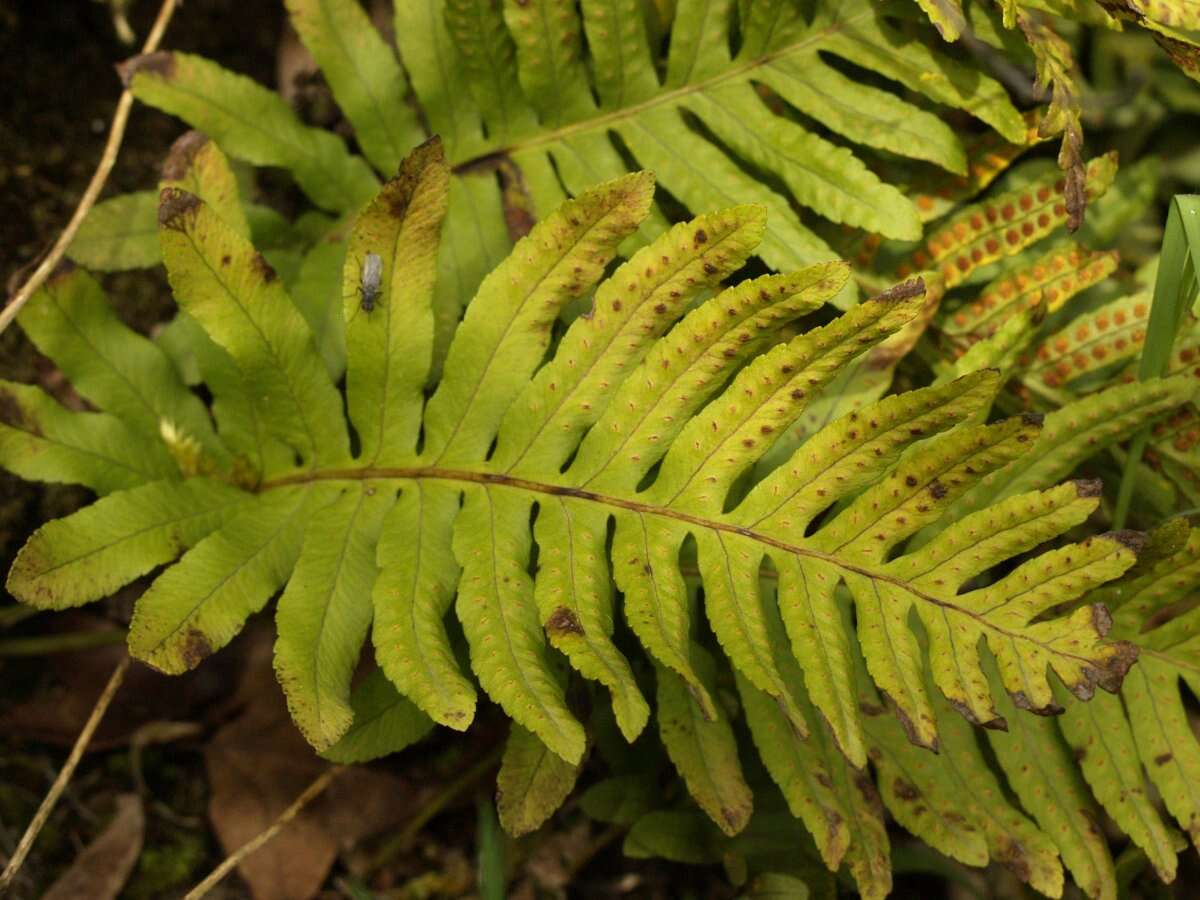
[
  {"x": 905, "y": 790},
  {"x": 937, "y": 490},
  {"x": 1134, "y": 540},
  {"x": 701, "y": 236},
  {"x": 1014, "y": 857},
  {"x": 263, "y": 268},
  {"x": 563, "y": 621},
  {"x": 195, "y": 649},
  {"x": 1163, "y": 758},
  {"x": 1101, "y": 619},
  {"x": 173, "y": 206}
]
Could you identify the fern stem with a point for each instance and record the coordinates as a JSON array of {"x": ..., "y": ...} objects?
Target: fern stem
[
  {"x": 64, "y": 776},
  {"x": 1129, "y": 478},
  {"x": 43, "y": 644},
  {"x": 309, "y": 794},
  {"x": 1175, "y": 286},
  {"x": 116, "y": 135}
]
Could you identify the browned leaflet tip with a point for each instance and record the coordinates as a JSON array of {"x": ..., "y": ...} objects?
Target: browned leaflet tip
[
  {"x": 161, "y": 62},
  {"x": 173, "y": 203},
  {"x": 995, "y": 723},
  {"x": 1089, "y": 487},
  {"x": 1032, "y": 418},
  {"x": 61, "y": 270},
  {"x": 914, "y": 287},
  {"x": 1021, "y": 700},
  {"x": 432, "y": 145},
  {"x": 910, "y": 728},
  {"x": 1117, "y": 666},
  {"x": 182, "y": 152},
  {"x": 427, "y": 153}
]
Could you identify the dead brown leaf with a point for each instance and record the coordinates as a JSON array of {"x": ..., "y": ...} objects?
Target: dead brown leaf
[
  {"x": 101, "y": 870},
  {"x": 56, "y": 712},
  {"x": 258, "y": 764}
]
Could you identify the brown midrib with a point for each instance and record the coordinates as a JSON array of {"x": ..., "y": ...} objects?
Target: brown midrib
[{"x": 499, "y": 479}]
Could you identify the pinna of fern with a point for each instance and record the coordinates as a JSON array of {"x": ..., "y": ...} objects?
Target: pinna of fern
[{"x": 640, "y": 423}]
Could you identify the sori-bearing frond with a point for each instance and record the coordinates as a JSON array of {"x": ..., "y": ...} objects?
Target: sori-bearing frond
[
  {"x": 556, "y": 96},
  {"x": 543, "y": 470}
]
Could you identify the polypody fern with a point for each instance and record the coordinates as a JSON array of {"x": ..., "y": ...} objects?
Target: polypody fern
[{"x": 541, "y": 471}]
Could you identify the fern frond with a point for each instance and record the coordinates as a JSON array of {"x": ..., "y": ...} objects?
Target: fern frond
[
  {"x": 384, "y": 722},
  {"x": 1049, "y": 282},
  {"x": 195, "y": 164},
  {"x": 119, "y": 233},
  {"x": 364, "y": 75},
  {"x": 1044, "y": 775},
  {"x": 702, "y": 746},
  {"x": 533, "y": 782},
  {"x": 71, "y": 321},
  {"x": 93, "y": 552},
  {"x": 1103, "y": 742},
  {"x": 552, "y": 94},
  {"x": 202, "y": 602},
  {"x": 390, "y": 347},
  {"x": 1008, "y": 222},
  {"x": 225, "y": 284},
  {"x": 955, "y": 802},
  {"x": 647, "y": 420},
  {"x": 325, "y": 611},
  {"x": 1166, "y": 743},
  {"x": 1075, "y": 432},
  {"x": 1114, "y": 332},
  {"x": 43, "y": 441},
  {"x": 252, "y": 123}
]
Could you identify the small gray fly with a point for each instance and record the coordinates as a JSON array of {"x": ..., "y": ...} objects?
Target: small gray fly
[{"x": 372, "y": 279}]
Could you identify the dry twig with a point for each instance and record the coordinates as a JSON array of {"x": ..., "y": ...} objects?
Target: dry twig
[
  {"x": 116, "y": 135},
  {"x": 68, "y": 769},
  {"x": 309, "y": 794}
]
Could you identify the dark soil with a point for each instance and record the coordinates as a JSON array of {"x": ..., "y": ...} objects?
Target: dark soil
[{"x": 58, "y": 90}]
